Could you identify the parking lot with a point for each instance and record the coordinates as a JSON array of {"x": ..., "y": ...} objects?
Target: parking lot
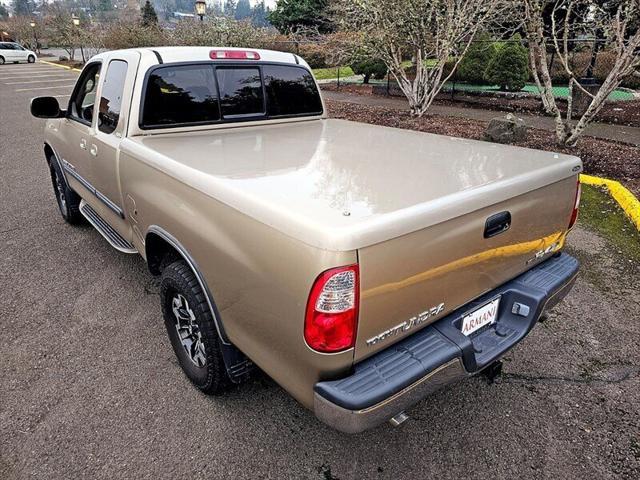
[{"x": 89, "y": 385}]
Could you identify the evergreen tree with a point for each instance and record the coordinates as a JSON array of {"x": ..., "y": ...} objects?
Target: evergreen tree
[
  {"x": 243, "y": 10},
  {"x": 23, "y": 7},
  {"x": 475, "y": 62},
  {"x": 259, "y": 14},
  {"x": 509, "y": 67},
  {"x": 230, "y": 8},
  {"x": 105, "y": 5},
  {"x": 148, "y": 15},
  {"x": 291, "y": 15}
]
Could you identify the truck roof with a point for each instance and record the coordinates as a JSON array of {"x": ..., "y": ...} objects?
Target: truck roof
[{"x": 199, "y": 54}]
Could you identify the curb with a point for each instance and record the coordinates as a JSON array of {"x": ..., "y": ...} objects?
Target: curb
[
  {"x": 61, "y": 66},
  {"x": 627, "y": 201}
]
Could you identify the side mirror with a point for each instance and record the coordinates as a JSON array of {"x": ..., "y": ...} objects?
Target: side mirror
[{"x": 45, "y": 107}]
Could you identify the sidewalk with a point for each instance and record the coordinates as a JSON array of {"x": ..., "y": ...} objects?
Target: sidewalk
[{"x": 605, "y": 131}]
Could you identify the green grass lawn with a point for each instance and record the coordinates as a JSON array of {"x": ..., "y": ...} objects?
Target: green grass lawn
[
  {"x": 602, "y": 213},
  {"x": 326, "y": 73},
  {"x": 559, "y": 91}
]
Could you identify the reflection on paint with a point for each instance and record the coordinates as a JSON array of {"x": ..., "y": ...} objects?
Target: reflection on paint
[{"x": 517, "y": 249}]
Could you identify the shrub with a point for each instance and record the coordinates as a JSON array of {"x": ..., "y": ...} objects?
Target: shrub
[
  {"x": 314, "y": 54},
  {"x": 131, "y": 34},
  {"x": 369, "y": 67},
  {"x": 473, "y": 65},
  {"x": 509, "y": 67}
]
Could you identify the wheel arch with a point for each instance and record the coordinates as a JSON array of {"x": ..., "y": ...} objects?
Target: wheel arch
[
  {"x": 51, "y": 156},
  {"x": 160, "y": 246}
]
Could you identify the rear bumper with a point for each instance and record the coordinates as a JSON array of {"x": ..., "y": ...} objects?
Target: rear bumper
[{"x": 396, "y": 378}]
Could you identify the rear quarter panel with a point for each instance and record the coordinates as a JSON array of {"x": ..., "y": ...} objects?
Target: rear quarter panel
[{"x": 259, "y": 278}]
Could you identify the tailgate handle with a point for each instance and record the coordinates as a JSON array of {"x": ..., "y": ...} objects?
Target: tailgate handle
[{"x": 496, "y": 224}]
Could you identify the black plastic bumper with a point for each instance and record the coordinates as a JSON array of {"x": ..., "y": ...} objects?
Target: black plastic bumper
[{"x": 392, "y": 380}]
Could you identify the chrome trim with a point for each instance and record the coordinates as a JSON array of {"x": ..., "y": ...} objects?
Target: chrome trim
[
  {"x": 355, "y": 421},
  {"x": 194, "y": 267},
  {"x": 71, "y": 170},
  {"x": 106, "y": 230}
]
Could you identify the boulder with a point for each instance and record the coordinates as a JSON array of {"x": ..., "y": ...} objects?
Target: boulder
[{"x": 507, "y": 129}]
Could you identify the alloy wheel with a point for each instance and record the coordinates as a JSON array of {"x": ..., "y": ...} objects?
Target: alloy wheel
[{"x": 188, "y": 330}]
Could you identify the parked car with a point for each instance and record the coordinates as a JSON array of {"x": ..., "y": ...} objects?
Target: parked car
[
  {"x": 13, "y": 52},
  {"x": 362, "y": 267}
]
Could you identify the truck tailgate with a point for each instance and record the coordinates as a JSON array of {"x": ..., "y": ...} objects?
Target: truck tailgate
[{"x": 413, "y": 280}]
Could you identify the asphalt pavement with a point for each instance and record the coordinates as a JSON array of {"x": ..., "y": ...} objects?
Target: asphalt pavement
[{"x": 90, "y": 388}]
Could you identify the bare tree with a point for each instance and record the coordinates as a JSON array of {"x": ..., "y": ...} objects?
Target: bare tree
[
  {"x": 430, "y": 32},
  {"x": 612, "y": 25}
]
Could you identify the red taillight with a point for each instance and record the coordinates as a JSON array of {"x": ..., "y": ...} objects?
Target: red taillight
[
  {"x": 576, "y": 207},
  {"x": 234, "y": 55},
  {"x": 332, "y": 310}
]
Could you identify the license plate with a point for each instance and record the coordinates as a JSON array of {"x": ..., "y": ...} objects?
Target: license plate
[{"x": 477, "y": 319}]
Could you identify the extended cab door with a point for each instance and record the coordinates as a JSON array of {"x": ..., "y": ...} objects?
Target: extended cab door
[
  {"x": 75, "y": 130},
  {"x": 115, "y": 93}
]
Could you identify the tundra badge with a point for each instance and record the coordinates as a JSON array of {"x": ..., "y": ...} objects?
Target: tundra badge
[{"x": 407, "y": 324}]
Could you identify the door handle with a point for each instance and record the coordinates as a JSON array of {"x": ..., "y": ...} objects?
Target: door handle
[
  {"x": 83, "y": 144},
  {"x": 93, "y": 150},
  {"x": 496, "y": 224}
]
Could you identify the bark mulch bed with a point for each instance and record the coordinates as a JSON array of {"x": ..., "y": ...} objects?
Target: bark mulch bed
[
  {"x": 617, "y": 113},
  {"x": 601, "y": 157}
]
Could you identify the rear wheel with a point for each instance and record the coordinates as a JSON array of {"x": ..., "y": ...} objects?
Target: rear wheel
[
  {"x": 191, "y": 329},
  {"x": 1, "y": 60},
  {"x": 31, "y": 59},
  {"x": 68, "y": 201}
]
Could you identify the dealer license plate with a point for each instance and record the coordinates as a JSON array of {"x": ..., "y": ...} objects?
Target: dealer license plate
[{"x": 485, "y": 315}]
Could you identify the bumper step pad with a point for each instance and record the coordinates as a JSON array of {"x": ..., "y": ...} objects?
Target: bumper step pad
[{"x": 394, "y": 369}]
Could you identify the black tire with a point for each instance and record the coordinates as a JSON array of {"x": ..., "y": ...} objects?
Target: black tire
[
  {"x": 68, "y": 201},
  {"x": 1, "y": 60},
  {"x": 31, "y": 59},
  {"x": 207, "y": 371}
]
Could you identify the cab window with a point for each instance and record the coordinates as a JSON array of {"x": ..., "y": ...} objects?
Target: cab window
[
  {"x": 84, "y": 95},
  {"x": 111, "y": 97},
  {"x": 181, "y": 95},
  {"x": 240, "y": 91}
]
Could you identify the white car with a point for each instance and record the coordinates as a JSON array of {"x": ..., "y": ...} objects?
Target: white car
[{"x": 12, "y": 52}]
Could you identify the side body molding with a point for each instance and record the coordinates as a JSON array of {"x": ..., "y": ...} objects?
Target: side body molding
[{"x": 238, "y": 365}]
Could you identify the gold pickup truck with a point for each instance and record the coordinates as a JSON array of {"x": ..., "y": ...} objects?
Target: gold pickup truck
[{"x": 361, "y": 267}]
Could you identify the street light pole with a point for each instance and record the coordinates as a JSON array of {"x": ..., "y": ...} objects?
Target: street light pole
[
  {"x": 76, "y": 24},
  {"x": 35, "y": 36},
  {"x": 201, "y": 9}
]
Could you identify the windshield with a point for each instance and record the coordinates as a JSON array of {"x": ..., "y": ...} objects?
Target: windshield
[{"x": 200, "y": 94}]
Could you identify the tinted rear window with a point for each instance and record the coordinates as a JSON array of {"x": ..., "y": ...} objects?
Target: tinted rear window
[
  {"x": 181, "y": 95},
  {"x": 290, "y": 91},
  {"x": 240, "y": 91}
]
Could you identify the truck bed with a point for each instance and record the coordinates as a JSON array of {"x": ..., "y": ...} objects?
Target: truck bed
[{"x": 341, "y": 185}]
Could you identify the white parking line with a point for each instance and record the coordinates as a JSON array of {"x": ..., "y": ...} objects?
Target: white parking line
[
  {"x": 39, "y": 81},
  {"x": 43, "y": 88},
  {"x": 35, "y": 74},
  {"x": 24, "y": 72},
  {"x": 30, "y": 75}
]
